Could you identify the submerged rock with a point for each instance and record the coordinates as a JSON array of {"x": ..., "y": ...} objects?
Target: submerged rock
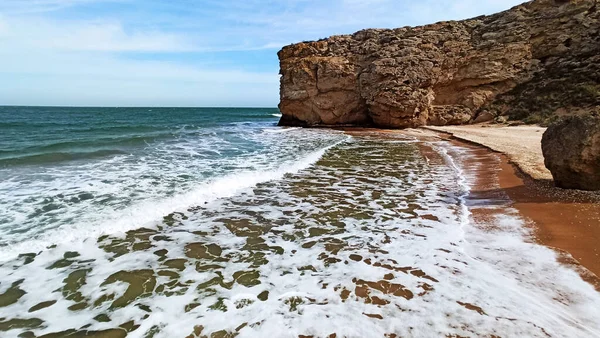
[
  {"x": 572, "y": 152},
  {"x": 534, "y": 59}
]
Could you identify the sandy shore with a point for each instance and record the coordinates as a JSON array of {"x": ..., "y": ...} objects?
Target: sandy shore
[
  {"x": 522, "y": 144},
  {"x": 566, "y": 220}
]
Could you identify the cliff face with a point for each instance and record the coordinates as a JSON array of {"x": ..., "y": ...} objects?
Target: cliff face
[{"x": 533, "y": 61}]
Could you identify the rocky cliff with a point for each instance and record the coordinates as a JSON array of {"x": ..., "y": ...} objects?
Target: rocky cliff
[{"x": 531, "y": 62}]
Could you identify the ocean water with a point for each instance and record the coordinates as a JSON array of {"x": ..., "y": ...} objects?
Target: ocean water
[{"x": 172, "y": 222}]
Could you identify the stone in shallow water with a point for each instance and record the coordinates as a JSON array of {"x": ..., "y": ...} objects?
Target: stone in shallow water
[
  {"x": 141, "y": 284},
  {"x": 387, "y": 288},
  {"x": 73, "y": 283},
  {"x": 191, "y": 306},
  {"x": 247, "y": 278},
  {"x": 202, "y": 251},
  {"x": 78, "y": 306},
  {"x": 161, "y": 253},
  {"x": 178, "y": 264},
  {"x": 12, "y": 295},
  {"x": 135, "y": 240},
  {"x": 110, "y": 333},
  {"x": 27, "y": 257},
  {"x": 355, "y": 257},
  {"x": 103, "y": 318},
  {"x": 263, "y": 296},
  {"x": 174, "y": 218},
  {"x": 42, "y": 305},
  {"x": 18, "y": 323}
]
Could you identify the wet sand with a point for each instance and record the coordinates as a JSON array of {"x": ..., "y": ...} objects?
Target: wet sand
[{"x": 566, "y": 220}]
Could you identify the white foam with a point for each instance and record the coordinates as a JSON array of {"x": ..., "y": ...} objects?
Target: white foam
[
  {"x": 281, "y": 130},
  {"x": 147, "y": 213}
]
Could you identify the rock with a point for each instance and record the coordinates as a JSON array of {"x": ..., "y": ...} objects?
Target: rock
[
  {"x": 484, "y": 116},
  {"x": 571, "y": 150},
  {"x": 536, "y": 58},
  {"x": 501, "y": 120}
]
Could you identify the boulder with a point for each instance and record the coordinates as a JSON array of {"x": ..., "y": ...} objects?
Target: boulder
[
  {"x": 571, "y": 150},
  {"x": 484, "y": 116}
]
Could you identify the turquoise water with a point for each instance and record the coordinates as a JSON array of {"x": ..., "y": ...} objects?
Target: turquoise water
[{"x": 50, "y": 135}]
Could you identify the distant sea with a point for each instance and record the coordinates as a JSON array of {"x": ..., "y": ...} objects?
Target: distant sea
[{"x": 214, "y": 222}]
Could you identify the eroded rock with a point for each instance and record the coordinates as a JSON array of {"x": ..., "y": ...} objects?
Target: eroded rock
[
  {"x": 533, "y": 59},
  {"x": 572, "y": 152}
]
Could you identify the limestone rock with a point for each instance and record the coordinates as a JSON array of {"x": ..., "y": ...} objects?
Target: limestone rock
[
  {"x": 541, "y": 56},
  {"x": 484, "y": 116},
  {"x": 571, "y": 150}
]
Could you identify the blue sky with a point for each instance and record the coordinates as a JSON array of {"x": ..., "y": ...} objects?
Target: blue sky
[{"x": 180, "y": 52}]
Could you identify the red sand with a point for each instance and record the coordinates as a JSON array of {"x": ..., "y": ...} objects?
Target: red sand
[{"x": 568, "y": 222}]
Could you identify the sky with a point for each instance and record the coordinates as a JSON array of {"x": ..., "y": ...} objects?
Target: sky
[{"x": 211, "y": 53}]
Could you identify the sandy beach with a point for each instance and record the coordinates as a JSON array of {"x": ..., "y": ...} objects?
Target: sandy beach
[
  {"x": 521, "y": 144},
  {"x": 566, "y": 220}
]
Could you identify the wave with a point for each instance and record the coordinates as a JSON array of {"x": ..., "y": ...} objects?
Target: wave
[
  {"x": 280, "y": 130},
  {"x": 54, "y": 157},
  {"x": 117, "y": 128},
  {"x": 29, "y": 124},
  {"x": 149, "y": 212},
  {"x": 77, "y": 149}
]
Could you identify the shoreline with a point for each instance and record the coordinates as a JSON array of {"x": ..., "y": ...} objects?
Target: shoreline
[
  {"x": 561, "y": 222},
  {"x": 566, "y": 221},
  {"x": 520, "y": 144}
]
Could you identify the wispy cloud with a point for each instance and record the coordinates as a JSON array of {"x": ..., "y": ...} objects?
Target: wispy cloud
[
  {"x": 84, "y": 78},
  {"x": 37, "y": 6},
  {"x": 100, "y": 36}
]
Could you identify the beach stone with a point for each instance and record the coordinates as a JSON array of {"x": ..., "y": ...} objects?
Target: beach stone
[
  {"x": 501, "y": 120},
  {"x": 571, "y": 150},
  {"x": 484, "y": 116},
  {"x": 528, "y": 63}
]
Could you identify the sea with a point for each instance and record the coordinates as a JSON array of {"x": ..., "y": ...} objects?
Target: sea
[{"x": 215, "y": 222}]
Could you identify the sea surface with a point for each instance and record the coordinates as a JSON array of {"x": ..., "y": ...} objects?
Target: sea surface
[{"x": 214, "y": 222}]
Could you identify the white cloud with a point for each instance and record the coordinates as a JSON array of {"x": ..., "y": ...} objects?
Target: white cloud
[
  {"x": 49, "y": 57},
  {"x": 112, "y": 37},
  {"x": 36, "y": 6},
  {"x": 104, "y": 36}
]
